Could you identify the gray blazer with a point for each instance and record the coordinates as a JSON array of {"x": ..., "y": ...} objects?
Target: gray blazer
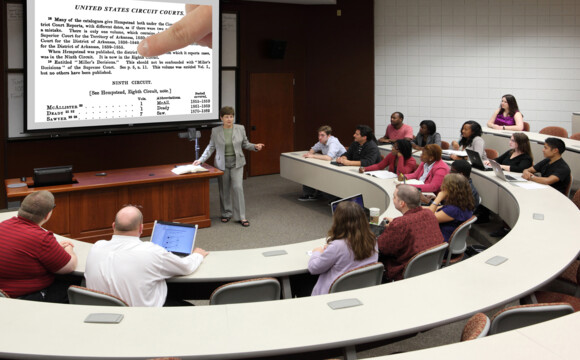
[{"x": 217, "y": 142}]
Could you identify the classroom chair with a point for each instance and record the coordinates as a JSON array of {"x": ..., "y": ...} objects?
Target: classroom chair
[
  {"x": 360, "y": 277},
  {"x": 425, "y": 261},
  {"x": 252, "y": 290},
  {"x": 476, "y": 327},
  {"x": 554, "y": 131},
  {"x": 458, "y": 241},
  {"x": 84, "y": 296}
]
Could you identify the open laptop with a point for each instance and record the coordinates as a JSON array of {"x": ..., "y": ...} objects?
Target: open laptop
[
  {"x": 376, "y": 229},
  {"x": 500, "y": 174},
  {"x": 476, "y": 161},
  {"x": 174, "y": 237}
]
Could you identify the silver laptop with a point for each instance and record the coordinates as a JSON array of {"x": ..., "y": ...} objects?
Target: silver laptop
[
  {"x": 174, "y": 237},
  {"x": 500, "y": 174}
]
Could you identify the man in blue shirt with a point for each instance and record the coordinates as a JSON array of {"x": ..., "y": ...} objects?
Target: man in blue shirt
[{"x": 327, "y": 148}]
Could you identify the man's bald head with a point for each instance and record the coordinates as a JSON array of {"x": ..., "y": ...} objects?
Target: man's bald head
[{"x": 129, "y": 219}]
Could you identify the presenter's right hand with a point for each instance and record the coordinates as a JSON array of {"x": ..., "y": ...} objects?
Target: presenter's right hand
[
  {"x": 200, "y": 251},
  {"x": 194, "y": 27},
  {"x": 196, "y": 162}
]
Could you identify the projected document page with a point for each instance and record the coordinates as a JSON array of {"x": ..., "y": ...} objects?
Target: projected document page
[{"x": 84, "y": 69}]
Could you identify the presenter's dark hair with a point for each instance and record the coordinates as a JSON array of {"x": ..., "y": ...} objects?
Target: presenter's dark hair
[
  {"x": 349, "y": 222},
  {"x": 326, "y": 128},
  {"x": 227, "y": 110},
  {"x": 556, "y": 143},
  {"x": 512, "y": 104},
  {"x": 433, "y": 150},
  {"x": 368, "y": 132},
  {"x": 400, "y": 114},
  {"x": 475, "y": 131},
  {"x": 36, "y": 206},
  {"x": 430, "y": 124},
  {"x": 404, "y": 147},
  {"x": 523, "y": 144}
]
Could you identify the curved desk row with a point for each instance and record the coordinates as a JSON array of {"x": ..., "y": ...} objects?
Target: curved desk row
[
  {"x": 535, "y": 256},
  {"x": 499, "y": 140},
  {"x": 550, "y": 340}
]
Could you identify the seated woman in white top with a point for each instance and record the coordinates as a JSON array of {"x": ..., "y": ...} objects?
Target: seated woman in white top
[
  {"x": 350, "y": 244},
  {"x": 470, "y": 139}
]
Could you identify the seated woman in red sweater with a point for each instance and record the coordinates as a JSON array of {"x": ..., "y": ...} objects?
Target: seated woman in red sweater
[
  {"x": 399, "y": 160},
  {"x": 431, "y": 171}
]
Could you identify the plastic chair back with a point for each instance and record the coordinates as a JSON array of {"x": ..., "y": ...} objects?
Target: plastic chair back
[
  {"x": 569, "y": 186},
  {"x": 360, "y": 277},
  {"x": 252, "y": 290},
  {"x": 491, "y": 153},
  {"x": 575, "y": 136},
  {"x": 458, "y": 240},
  {"x": 554, "y": 131},
  {"x": 425, "y": 261},
  {"x": 516, "y": 317},
  {"x": 526, "y": 126},
  {"x": 476, "y": 327},
  {"x": 444, "y": 145},
  {"x": 576, "y": 199},
  {"x": 83, "y": 296}
]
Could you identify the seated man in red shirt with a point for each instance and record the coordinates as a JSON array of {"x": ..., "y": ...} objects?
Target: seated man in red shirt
[
  {"x": 31, "y": 256},
  {"x": 397, "y": 130},
  {"x": 407, "y": 235}
]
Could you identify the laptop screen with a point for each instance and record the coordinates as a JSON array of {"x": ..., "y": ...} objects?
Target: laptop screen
[
  {"x": 174, "y": 237},
  {"x": 356, "y": 198}
]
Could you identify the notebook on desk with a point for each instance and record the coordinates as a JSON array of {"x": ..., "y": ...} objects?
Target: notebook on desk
[
  {"x": 500, "y": 174},
  {"x": 476, "y": 161},
  {"x": 176, "y": 238}
]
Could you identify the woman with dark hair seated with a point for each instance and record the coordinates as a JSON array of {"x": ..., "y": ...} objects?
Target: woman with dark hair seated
[
  {"x": 431, "y": 170},
  {"x": 399, "y": 160},
  {"x": 470, "y": 139},
  {"x": 350, "y": 244},
  {"x": 427, "y": 135},
  {"x": 519, "y": 157},
  {"x": 508, "y": 116},
  {"x": 453, "y": 205}
]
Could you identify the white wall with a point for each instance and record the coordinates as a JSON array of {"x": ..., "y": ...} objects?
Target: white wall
[{"x": 452, "y": 60}]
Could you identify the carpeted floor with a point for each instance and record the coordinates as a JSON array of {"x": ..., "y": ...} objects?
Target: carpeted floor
[{"x": 277, "y": 217}]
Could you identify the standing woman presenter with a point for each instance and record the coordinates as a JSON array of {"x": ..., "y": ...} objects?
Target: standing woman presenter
[{"x": 228, "y": 141}]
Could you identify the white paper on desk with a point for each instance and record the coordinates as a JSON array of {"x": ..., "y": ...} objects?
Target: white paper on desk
[
  {"x": 382, "y": 174},
  {"x": 462, "y": 153},
  {"x": 529, "y": 185},
  {"x": 188, "y": 169},
  {"x": 410, "y": 182}
]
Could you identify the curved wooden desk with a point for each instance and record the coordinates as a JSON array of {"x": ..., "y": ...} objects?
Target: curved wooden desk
[{"x": 536, "y": 254}]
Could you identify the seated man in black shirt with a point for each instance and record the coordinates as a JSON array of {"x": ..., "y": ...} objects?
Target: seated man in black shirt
[
  {"x": 553, "y": 169},
  {"x": 363, "y": 151}
]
